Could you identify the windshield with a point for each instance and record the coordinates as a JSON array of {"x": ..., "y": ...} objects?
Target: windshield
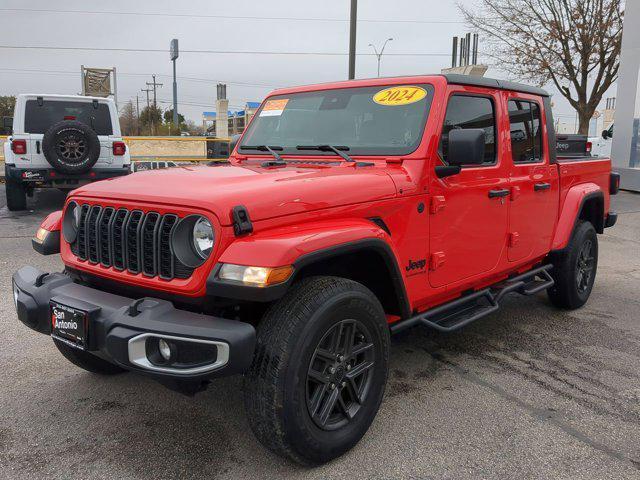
[{"x": 380, "y": 120}]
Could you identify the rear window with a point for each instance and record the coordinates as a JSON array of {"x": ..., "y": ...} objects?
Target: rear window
[
  {"x": 38, "y": 119},
  {"x": 526, "y": 135}
]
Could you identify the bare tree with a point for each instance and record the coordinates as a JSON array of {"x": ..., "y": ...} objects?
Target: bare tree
[
  {"x": 128, "y": 119},
  {"x": 575, "y": 44}
]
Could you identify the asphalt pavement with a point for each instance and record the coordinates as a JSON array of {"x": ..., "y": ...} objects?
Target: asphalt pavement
[{"x": 531, "y": 392}]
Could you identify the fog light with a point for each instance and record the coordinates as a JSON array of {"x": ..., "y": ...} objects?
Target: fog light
[{"x": 165, "y": 349}]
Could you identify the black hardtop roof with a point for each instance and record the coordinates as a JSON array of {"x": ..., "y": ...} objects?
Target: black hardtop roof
[{"x": 458, "y": 79}]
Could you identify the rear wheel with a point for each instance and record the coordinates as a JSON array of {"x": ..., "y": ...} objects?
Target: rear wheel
[
  {"x": 574, "y": 271},
  {"x": 87, "y": 361},
  {"x": 320, "y": 369},
  {"x": 16, "y": 196}
]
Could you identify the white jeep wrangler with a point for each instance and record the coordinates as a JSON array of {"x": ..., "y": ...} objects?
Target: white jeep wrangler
[{"x": 62, "y": 141}]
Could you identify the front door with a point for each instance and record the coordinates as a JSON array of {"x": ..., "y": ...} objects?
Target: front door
[
  {"x": 469, "y": 211},
  {"x": 534, "y": 182}
]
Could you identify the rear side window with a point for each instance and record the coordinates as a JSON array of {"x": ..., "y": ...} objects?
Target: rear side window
[
  {"x": 464, "y": 111},
  {"x": 526, "y": 134},
  {"x": 38, "y": 119}
]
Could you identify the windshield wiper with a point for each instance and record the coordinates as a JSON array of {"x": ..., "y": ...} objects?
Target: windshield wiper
[
  {"x": 266, "y": 148},
  {"x": 338, "y": 150}
]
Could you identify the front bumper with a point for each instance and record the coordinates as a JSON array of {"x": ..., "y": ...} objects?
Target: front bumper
[{"x": 118, "y": 325}]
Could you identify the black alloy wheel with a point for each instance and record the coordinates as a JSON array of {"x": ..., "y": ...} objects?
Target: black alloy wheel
[
  {"x": 585, "y": 266},
  {"x": 340, "y": 374},
  {"x": 71, "y": 147}
]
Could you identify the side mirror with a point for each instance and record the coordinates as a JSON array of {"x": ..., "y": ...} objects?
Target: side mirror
[
  {"x": 7, "y": 125},
  {"x": 466, "y": 147},
  {"x": 605, "y": 134},
  {"x": 233, "y": 143}
]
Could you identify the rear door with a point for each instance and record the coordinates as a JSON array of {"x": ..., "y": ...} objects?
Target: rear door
[
  {"x": 534, "y": 183},
  {"x": 469, "y": 211},
  {"x": 41, "y": 113}
]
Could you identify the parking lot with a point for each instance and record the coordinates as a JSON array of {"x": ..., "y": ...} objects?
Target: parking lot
[{"x": 530, "y": 392}]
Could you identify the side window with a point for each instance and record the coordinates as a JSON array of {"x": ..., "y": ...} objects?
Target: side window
[
  {"x": 464, "y": 111},
  {"x": 526, "y": 133}
]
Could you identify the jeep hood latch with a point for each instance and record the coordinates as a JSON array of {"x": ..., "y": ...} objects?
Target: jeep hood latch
[{"x": 241, "y": 221}]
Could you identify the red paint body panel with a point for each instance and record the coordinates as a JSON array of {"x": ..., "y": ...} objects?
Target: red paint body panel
[
  {"x": 52, "y": 222},
  {"x": 468, "y": 240}
]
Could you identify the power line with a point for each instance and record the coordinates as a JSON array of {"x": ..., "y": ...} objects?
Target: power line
[
  {"x": 180, "y": 77},
  {"x": 217, "y": 52},
  {"x": 229, "y": 17}
]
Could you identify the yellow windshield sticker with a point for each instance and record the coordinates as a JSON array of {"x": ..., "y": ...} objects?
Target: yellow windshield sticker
[
  {"x": 403, "y": 95},
  {"x": 274, "y": 108}
]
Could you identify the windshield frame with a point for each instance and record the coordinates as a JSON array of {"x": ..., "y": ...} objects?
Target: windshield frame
[{"x": 353, "y": 150}]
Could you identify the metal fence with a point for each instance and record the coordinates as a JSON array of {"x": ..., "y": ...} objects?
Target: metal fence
[{"x": 144, "y": 150}]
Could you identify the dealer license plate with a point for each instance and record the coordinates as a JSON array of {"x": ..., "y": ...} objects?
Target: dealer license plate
[{"x": 69, "y": 325}]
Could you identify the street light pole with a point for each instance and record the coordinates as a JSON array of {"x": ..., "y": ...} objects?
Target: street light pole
[
  {"x": 379, "y": 55},
  {"x": 352, "y": 39},
  {"x": 173, "y": 54}
]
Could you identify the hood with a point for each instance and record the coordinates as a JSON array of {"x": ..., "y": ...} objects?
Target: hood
[{"x": 266, "y": 192}]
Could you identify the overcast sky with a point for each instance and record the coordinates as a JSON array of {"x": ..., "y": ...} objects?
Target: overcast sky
[{"x": 273, "y": 26}]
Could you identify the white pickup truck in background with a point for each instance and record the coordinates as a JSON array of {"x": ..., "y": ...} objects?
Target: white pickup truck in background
[{"x": 62, "y": 141}]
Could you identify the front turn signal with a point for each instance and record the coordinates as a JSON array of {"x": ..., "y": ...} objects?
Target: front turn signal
[{"x": 255, "y": 276}]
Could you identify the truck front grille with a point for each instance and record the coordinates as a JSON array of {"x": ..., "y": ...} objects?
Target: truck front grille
[{"x": 129, "y": 240}]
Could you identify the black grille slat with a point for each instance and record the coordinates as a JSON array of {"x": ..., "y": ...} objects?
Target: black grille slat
[
  {"x": 91, "y": 232},
  {"x": 149, "y": 248},
  {"x": 81, "y": 242},
  {"x": 165, "y": 254},
  {"x": 132, "y": 241},
  {"x": 129, "y": 240},
  {"x": 117, "y": 238},
  {"x": 104, "y": 236}
]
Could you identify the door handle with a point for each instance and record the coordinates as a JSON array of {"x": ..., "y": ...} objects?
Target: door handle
[
  {"x": 499, "y": 193},
  {"x": 541, "y": 186}
]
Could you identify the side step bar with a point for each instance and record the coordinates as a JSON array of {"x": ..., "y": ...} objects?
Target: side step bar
[{"x": 467, "y": 309}]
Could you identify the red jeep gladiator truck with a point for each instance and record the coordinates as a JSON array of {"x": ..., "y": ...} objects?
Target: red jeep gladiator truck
[{"x": 347, "y": 212}]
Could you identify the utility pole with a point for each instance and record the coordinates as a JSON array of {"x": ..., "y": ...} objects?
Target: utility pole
[
  {"x": 154, "y": 84},
  {"x": 352, "y": 39},
  {"x": 147, "y": 90},
  {"x": 137, "y": 115},
  {"x": 379, "y": 55}
]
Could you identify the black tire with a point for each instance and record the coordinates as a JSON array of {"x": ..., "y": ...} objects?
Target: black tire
[
  {"x": 86, "y": 360},
  {"x": 71, "y": 147},
  {"x": 16, "y": 196},
  {"x": 279, "y": 391},
  {"x": 574, "y": 271}
]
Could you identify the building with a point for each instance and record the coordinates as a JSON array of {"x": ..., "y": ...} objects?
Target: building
[
  {"x": 625, "y": 152},
  {"x": 237, "y": 120}
]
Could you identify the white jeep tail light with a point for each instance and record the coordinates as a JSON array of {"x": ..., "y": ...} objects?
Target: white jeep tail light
[
  {"x": 119, "y": 148},
  {"x": 19, "y": 147}
]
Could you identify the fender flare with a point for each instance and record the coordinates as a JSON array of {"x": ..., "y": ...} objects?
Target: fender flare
[
  {"x": 574, "y": 202},
  {"x": 53, "y": 221},
  {"x": 301, "y": 247}
]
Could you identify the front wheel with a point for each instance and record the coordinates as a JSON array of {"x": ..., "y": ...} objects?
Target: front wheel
[
  {"x": 574, "y": 271},
  {"x": 320, "y": 370}
]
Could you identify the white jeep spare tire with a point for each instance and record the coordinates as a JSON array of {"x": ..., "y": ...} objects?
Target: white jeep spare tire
[{"x": 71, "y": 147}]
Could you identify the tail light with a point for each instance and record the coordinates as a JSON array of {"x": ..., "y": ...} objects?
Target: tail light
[
  {"x": 589, "y": 146},
  {"x": 614, "y": 183},
  {"x": 119, "y": 148},
  {"x": 19, "y": 147}
]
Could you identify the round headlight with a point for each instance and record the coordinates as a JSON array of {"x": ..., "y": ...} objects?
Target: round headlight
[
  {"x": 203, "y": 237},
  {"x": 70, "y": 222}
]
